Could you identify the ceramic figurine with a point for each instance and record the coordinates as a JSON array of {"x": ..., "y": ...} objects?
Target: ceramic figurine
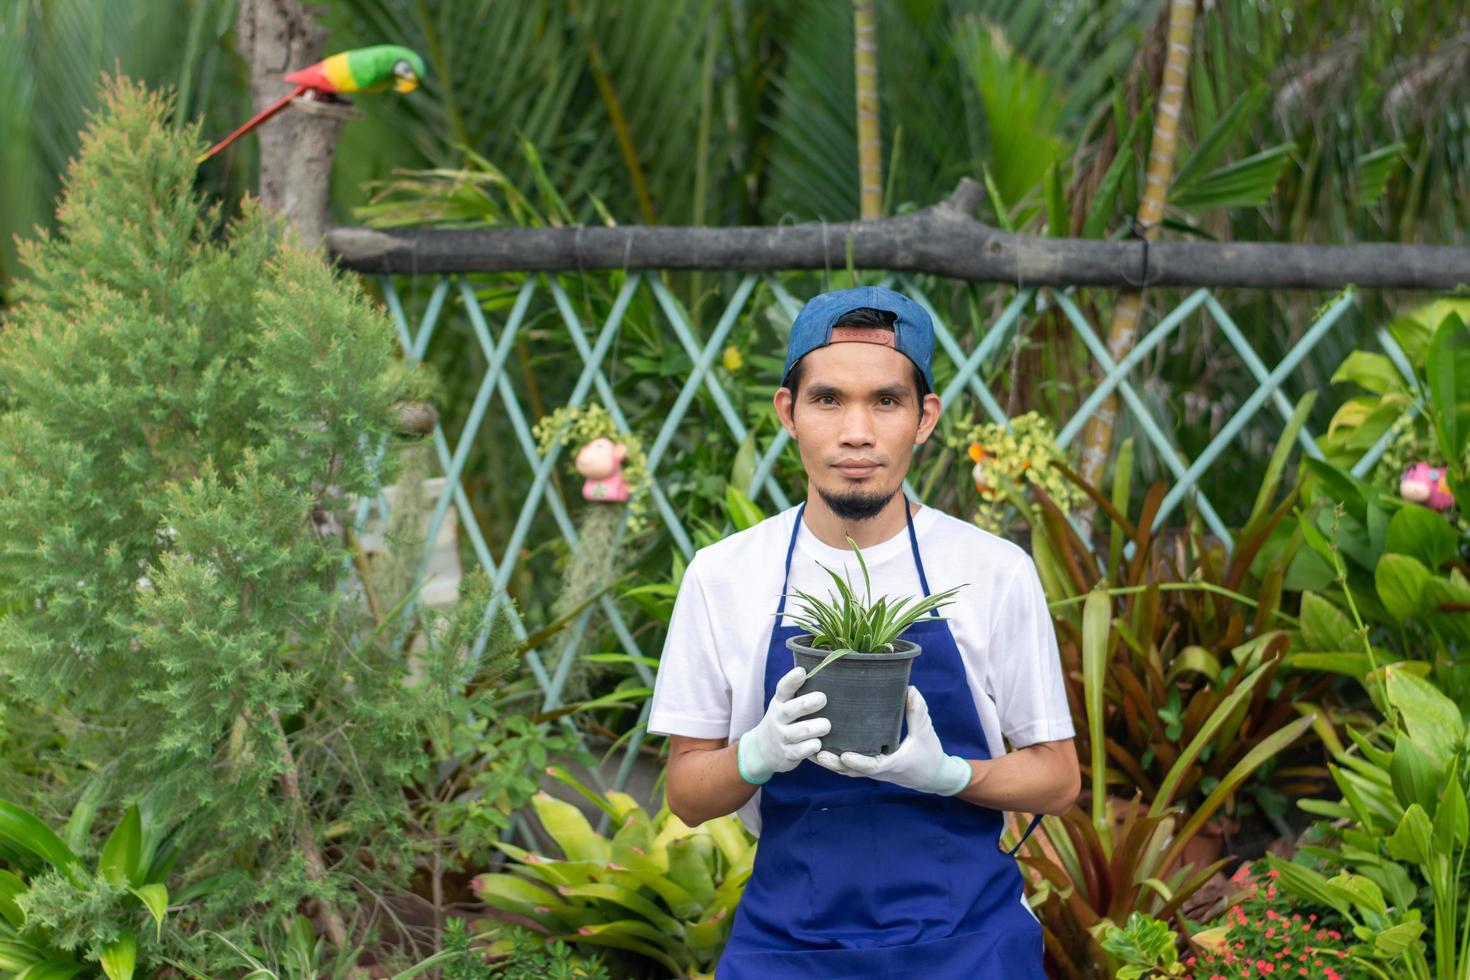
[
  {"x": 1425, "y": 484},
  {"x": 601, "y": 462}
]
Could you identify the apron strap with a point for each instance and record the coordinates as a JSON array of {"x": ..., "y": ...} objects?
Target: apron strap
[
  {"x": 786, "y": 576},
  {"x": 1035, "y": 822},
  {"x": 914, "y": 545}
]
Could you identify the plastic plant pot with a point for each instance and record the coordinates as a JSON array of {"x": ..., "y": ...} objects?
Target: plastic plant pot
[{"x": 865, "y": 694}]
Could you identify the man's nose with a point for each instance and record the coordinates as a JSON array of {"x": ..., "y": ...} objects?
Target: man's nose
[{"x": 857, "y": 427}]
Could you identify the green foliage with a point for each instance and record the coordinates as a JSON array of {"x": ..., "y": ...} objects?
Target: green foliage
[
  {"x": 524, "y": 957},
  {"x": 193, "y": 412},
  {"x": 851, "y": 625},
  {"x": 1197, "y": 643},
  {"x": 56, "y": 913},
  {"x": 657, "y": 887},
  {"x": 1145, "y": 947},
  {"x": 1401, "y": 833}
]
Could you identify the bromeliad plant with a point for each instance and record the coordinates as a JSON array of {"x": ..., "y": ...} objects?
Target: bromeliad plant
[
  {"x": 657, "y": 888},
  {"x": 844, "y": 624}
]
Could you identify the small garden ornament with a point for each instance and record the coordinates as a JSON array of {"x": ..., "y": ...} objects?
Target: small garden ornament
[
  {"x": 1427, "y": 485},
  {"x": 601, "y": 462}
]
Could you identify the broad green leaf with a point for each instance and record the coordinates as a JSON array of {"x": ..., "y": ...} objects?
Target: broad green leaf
[
  {"x": 742, "y": 511},
  {"x": 511, "y": 888},
  {"x": 1392, "y": 941},
  {"x": 636, "y": 937},
  {"x": 682, "y": 904},
  {"x": 1452, "y": 819},
  {"x": 1415, "y": 773},
  {"x": 10, "y": 887},
  {"x": 1432, "y": 719},
  {"x": 122, "y": 853},
  {"x": 1372, "y": 371},
  {"x": 630, "y": 900},
  {"x": 1448, "y": 373},
  {"x": 16, "y": 956},
  {"x": 742, "y": 472},
  {"x": 79, "y": 824},
  {"x": 1400, "y": 581},
  {"x": 1423, "y": 534},
  {"x": 21, "y": 830},
  {"x": 53, "y": 969},
  {"x": 120, "y": 957},
  {"x": 570, "y": 829},
  {"x": 690, "y": 866},
  {"x": 730, "y": 837},
  {"x": 1336, "y": 662},
  {"x": 1324, "y": 626},
  {"x": 1413, "y": 840},
  {"x": 1358, "y": 890},
  {"x": 1227, "y": 707},
  {"x": 155, "y": 899}
]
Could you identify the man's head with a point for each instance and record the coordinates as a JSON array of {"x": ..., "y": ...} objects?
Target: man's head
[{"x": 857, "y": 395}]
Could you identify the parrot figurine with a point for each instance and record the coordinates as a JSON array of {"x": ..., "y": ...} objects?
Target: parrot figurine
[
  {"x": 371, "y": 69},
  {"x": 1427, "y": 485}
]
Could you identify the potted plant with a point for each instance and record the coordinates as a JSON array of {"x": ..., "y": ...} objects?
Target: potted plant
[{"x": 859, "y": 640}]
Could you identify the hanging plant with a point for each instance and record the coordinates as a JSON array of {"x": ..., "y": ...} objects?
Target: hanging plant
[{"x": 1020, "y": 453}]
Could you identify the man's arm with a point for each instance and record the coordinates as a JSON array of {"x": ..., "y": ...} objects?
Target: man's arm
[
  {"x": 703, "y": 779},
  {"x": 1040, "y": 778}
]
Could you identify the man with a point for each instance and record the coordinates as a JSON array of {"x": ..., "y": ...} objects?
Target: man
[{"x": 886, "y": 866}]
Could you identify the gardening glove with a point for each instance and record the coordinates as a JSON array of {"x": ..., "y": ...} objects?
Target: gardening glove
[
  {"x": 919, "y": 763},
  {"x": 780, "y": 741}
]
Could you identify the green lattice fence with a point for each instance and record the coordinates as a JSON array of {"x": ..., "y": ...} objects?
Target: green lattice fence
[{"x": 498, "y": 319}]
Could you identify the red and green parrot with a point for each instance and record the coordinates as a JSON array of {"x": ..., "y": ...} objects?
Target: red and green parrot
[{"x": 372, "y": 69}]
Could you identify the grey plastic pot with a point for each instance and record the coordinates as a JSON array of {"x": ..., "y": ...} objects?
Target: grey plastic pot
[{"x": 865, "y": 694}]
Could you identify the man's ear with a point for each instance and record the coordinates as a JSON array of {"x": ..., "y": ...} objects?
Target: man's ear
[
  {"x": 929, "y": 418},
  {"x": 784, "y": 409}
]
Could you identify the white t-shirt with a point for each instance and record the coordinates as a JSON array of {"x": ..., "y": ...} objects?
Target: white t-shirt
[{"x": 711, "y": 678}]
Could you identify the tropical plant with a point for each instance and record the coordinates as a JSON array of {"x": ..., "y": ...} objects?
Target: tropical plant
[
  {"x": 522, "y": 956},
  {"x": 845, "y": 624},
  {"x": 657, "y": 887},
  {"x": 1195, "y": 631},
  {"x": 1095, "y": 869},
  {"x": 58, "y": 917},
  {"x": 1399, "y": 837},
  {"x": 1145, "y": 947}
]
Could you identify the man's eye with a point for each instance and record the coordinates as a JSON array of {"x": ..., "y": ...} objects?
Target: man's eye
[
  {"x": 888, "y": 400},
  {"x": 823, "y": 399}
]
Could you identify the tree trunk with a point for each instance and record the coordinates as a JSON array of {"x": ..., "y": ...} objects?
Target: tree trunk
[
  {"x": 1097, "y": 437},
  {"x": 870, "y": 140},
  {"x": 276, "y": 37}
]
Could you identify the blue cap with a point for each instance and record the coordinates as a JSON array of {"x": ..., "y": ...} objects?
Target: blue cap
[{"x": 913, "y": 331}]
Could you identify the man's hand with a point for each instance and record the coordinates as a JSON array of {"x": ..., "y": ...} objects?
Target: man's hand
[
  {"x": 919, "y": 763},
  {"x": 780, "y": 742}
]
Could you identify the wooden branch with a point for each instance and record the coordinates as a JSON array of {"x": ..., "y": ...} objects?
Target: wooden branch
[{"x": 943, "y": 239}]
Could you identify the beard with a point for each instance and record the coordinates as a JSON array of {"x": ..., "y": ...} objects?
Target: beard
[{"x": 856, "y": 505}]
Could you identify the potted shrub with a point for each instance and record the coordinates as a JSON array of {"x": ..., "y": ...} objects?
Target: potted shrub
[{"x": 859, "y": 640}]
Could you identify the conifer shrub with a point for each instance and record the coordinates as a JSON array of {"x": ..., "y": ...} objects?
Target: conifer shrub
[{"x": 192, "y": 408}]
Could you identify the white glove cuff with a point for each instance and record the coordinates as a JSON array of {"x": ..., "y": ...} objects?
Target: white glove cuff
[
  {"x": 952, "y": 776},
  {"x": 753, "y": 768}
]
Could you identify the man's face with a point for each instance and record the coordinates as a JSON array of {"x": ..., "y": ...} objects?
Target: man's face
[{"x": 856, "y": 419}]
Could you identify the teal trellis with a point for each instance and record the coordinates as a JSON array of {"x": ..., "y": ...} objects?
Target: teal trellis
[{"x": 594, "y": 346}]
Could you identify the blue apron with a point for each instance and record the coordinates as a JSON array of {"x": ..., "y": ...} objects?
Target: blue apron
[{"x": 858, "y": 878}]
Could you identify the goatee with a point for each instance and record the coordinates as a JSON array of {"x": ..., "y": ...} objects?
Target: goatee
[{"x": 857, "y": 505}]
